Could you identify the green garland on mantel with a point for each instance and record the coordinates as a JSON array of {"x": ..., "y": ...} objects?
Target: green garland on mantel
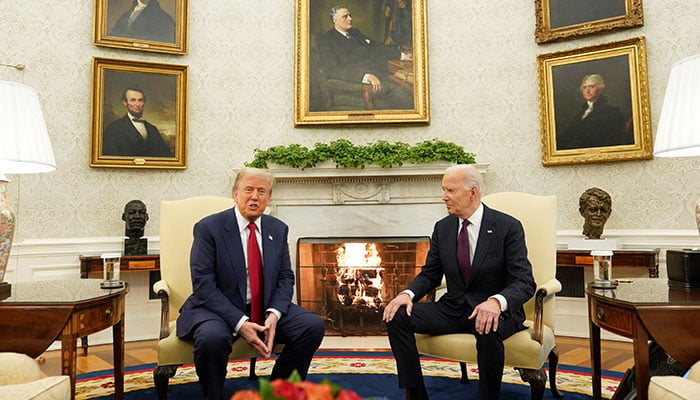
[{"x": 347, "y": 155}]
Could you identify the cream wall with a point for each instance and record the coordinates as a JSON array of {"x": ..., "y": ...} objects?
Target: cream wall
[{"x": 483, "y": 86}]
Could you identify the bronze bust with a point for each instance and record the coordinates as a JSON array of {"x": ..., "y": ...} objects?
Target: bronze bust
[
  {"x": 135, "y": 217},
  {"x": 595, "y": 205}
]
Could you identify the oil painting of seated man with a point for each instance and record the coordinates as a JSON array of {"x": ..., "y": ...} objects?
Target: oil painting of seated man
[{"x": 348, "y": 54}]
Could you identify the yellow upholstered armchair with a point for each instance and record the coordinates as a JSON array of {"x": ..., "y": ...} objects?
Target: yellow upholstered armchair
[
  {"x": 177, "y": 219},
  {"x": 526, "y": 350},
  {"x": 676, "y": 387}
]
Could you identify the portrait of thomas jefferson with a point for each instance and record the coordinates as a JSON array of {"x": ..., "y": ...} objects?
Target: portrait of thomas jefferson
[{"x": 593, "y": 104}]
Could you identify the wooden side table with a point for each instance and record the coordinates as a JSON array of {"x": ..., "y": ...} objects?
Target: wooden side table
[
  {"x": 571, "y": 264},
  {"x": 642, "y": 310},
  {"x": 67, "y": 310},
  {"x": 93, "y": 265}
]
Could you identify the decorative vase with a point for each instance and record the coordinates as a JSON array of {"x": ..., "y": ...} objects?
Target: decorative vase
[{"x": 7, "y": 228}]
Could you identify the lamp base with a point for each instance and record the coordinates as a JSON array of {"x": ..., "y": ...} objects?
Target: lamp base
[{"x": 5, "y": 290}]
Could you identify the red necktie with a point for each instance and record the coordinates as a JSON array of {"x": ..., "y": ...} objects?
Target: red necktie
[
  {"x": 256, "y": 276},
  {"x": 463, "y": 251}
]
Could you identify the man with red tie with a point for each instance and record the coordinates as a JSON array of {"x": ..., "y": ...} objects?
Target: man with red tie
[
  {"x": 242, "y": 288},
  {"x": 481, "y": 253}
]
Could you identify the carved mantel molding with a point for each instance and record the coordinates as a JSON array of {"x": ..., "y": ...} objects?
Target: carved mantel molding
[{"x": 327, "y": 185}]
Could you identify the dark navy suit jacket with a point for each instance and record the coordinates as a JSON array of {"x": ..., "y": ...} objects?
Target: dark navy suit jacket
[
  {"x": 219, "y": 277},
  {"x": 500, "y": 266}
]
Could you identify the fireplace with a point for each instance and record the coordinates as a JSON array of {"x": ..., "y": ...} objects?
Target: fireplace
[
  {"x": 334, "y": 205},
  {"x": 349, "y": 280}
]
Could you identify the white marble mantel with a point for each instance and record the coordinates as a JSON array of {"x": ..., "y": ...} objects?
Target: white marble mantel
[{"x": 328, "y": 185}]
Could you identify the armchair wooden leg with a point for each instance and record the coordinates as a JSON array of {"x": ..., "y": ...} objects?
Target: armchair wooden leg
[
  {"x": 537, "y": 380},
  {"x": 553, "y": 363},
  {"x": 465, "y": 377},
  {"x": 252, "y": 376},
  {"x": 161, "y": 377}
]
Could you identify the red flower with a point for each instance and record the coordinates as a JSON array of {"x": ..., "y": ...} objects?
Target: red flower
[
  {"x": 246, "y": 395},
  {"x": 296, "y": 389},
  {"x": 348, "y": 395},
  {"x": 287, "y": 390}
]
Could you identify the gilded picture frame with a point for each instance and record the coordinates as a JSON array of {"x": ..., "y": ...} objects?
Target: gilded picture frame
[
  {"x": 138, "y": 114},
  {"x": 594, "y": 104},
  {"x": 567, "y": 19},
  {"x": 160, "y": 27},
  {"x": 326, "y": 93}
]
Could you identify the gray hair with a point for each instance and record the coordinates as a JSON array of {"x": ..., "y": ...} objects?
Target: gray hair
[
  {"x": 471, "y": 174},
  {"x": 597, "y": 78},
  {"x": 247, "y": 172},
  {"x": 334, "y": 11}
]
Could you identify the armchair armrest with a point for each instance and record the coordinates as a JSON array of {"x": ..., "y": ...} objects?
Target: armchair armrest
[
  {"x": 162, "y": 289},
  {"x": 547, "y": 289}
]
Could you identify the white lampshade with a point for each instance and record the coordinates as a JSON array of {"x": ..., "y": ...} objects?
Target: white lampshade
[
  {"x": 678, "y": 134},
  {"x": 25, "y": 147}
]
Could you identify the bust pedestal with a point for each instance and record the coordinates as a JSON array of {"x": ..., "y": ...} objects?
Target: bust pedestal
[
  {"x": 135, "y": 247},
  {"x": 593, "y": 244}
]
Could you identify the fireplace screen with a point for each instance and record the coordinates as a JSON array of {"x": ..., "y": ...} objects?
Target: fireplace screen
[{"x": 347, "y": 281}]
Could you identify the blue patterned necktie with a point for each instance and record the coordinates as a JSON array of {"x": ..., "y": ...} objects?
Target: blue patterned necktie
[{"x": 463, "y": 251}]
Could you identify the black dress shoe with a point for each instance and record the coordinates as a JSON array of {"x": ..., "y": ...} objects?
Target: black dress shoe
[{"x": 417, "y": 393}]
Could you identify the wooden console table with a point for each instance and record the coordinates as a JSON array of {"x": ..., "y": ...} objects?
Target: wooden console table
[
  {"x": 93, "y": 264},
  {"x": 642, "y": 310},
  {"x": 38, "y": 313},
  {"x": 571, "y": 264}
]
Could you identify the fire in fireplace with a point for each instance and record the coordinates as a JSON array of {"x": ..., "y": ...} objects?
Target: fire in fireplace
[{"x": 347, "y": 281}]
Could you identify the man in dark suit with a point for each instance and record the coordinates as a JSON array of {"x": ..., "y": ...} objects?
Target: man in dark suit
[
  {"x": 597, "y": 123},
  {"x": 347, "y": 54},
  {"x": 482, "y": 255},
  {"x": 131, "y": 135},
  {"x": 222, "y": 307},
  {"x": 145, "y": 20}
]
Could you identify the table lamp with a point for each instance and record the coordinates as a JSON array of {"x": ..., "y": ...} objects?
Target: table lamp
[
  {"x": 24, "y": 149},
  {"x": 678, "y": 135}
]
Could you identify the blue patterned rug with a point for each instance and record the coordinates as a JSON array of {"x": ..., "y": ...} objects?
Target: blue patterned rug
[{"x": 369, "y": 373}]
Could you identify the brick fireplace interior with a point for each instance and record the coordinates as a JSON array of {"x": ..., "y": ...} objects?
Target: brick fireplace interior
[{"x": 348, "y": 280}]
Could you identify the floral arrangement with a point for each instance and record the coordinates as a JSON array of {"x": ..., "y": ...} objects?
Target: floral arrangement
[{"x": 296, "y": 389}]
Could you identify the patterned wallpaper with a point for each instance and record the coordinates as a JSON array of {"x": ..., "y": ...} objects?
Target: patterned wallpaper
[{"x": 483, "y": 86}]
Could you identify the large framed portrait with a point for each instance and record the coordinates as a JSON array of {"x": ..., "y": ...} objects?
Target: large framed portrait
[
  {"x": 362, "y": 63},
  {"x": 148, "y": 25},
  {"x": 594, "y": 104},
  {"x": 566, "y": 19},
  {"x": 138, "y": 112}
]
